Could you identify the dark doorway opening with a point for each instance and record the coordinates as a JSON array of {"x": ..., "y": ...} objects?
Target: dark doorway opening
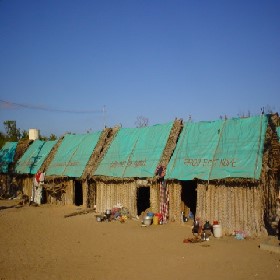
[
  {"x": 189, "y": 195},
  {"x": 44, "y": 196},
  {"x": 143, "y": 199},
  {"x": 78, "y": 193}
]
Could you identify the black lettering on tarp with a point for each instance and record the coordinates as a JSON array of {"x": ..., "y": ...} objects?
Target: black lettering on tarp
[
  {"x": 210, "y": 162},
  {"x": 129, "y": 163}
]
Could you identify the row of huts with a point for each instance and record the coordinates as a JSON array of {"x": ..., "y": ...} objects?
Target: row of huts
[{"x": 225, "y": 170}]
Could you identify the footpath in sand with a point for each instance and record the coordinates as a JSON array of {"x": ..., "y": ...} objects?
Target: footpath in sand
[{"x": 40, "y": 243}]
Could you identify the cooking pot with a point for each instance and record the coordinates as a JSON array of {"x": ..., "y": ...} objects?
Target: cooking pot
[{"x": 147, "y": 220}]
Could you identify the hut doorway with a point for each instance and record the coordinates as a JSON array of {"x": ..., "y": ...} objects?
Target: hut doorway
[
  {"x": 143, "y": 199},
  {"x": 78, "y": 198},
  {"x": 189, "y": 196},
  {"x": 44, "y": 196}
]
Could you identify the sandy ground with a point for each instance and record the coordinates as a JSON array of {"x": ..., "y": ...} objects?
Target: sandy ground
[{"x": 40, "y": 243}]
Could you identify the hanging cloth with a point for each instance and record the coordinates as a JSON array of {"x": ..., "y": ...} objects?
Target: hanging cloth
[{"x": 164, "y": 199}]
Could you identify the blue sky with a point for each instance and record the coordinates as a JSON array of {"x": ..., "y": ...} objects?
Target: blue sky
[{"x": 159, "y": 59}]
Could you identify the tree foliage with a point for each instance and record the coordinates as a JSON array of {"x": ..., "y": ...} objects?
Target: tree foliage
[{"x": 14, "y": 134}]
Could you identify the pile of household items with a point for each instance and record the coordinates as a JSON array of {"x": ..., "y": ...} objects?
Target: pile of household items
[
  {"x": 117, "y": 213},
  {"x": 202, "y": 232},
  {"x": 150, "y": 218}
]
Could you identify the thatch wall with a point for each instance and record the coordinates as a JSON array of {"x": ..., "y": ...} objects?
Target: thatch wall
[
  {"x": 59, "y": 191},
  {"x": 174, "y": 190},
  {"x": 85, "y": 193},
  {"x": 91, "y": 193},
  {"x": 110, "y": 194},
  {"x": 270, "y": 177},
  {"x": 4, "y": 183},
  {"x": 154, "y": 197},
  {"x": 27, "y": 183},
  {"x": 236, "y": 207}
]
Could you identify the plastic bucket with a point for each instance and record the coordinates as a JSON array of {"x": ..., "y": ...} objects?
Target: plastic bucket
[
  {"x": 217, "y": 231},
  {"x": 155, "y": 220}
]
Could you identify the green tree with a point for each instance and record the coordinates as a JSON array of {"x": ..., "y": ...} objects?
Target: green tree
[
  {"x": 52, "y": 137},
  {"x": 12, "y": 132},
  {"x": 24, "y": 134}
]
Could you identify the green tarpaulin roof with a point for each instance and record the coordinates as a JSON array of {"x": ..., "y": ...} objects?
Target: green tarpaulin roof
[
  {"x": 34, "y": 157},
  {"x": 278, "y": 132},
  {"x": 219, "y": 149},
  {"x": 7, "y": 156},
  {"x": 73, "y": 155},
  {"x": 135, "y": 152}
]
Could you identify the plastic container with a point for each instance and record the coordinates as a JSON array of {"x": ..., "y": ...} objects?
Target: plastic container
[
  {"x": 217, "y": 231},
  {"x": 155, "y": 220}
]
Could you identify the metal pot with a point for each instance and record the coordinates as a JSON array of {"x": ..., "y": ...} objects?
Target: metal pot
[{"x": 147, "y": 220}]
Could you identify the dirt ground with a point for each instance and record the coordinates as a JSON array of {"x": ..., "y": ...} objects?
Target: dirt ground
[{"x": 40, "y": 243}]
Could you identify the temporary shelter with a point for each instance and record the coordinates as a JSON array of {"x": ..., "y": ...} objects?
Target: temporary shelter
[
  {"x": 31, "y": 162},
  {"x": 6, "y": 159},
  {"x": 226, "y": 170},
  {"x": 9, "y": 156},
  {"x": 126, "y": 174},
  {"x": 70, "y": 164}
]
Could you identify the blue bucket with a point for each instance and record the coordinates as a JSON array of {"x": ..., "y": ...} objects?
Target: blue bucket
[{"x": 150, "y": 214}]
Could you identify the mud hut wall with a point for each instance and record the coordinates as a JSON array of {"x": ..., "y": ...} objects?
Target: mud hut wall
[
  {"x": 110, "y": 194},
  {"x": 235, "y": 207},
  {"x": 174, "y": 190}
]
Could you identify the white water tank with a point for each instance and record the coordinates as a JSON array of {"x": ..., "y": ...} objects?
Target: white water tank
[{"x": 33, "y": 134}]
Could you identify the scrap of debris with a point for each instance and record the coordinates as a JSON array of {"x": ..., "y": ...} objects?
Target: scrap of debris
[{"x": 86, "y": 211}]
